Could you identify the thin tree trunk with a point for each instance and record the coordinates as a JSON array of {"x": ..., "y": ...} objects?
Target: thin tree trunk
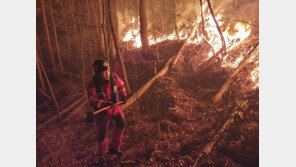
[
  {"x": 175, "y": 20},
  {"x": 154, "y": 34},
  {"x": 162, "y": 16},
  {"x": 73, "y": 16},
  {"x": 98, "y": 28},
  {"x": 143, "y": 25},
  {"x": 89, "y": 43},
  {"x": 118, "y": 52},
  {"x": 56, "y": 37},
  {"x": 202, "y": 19},
  {"x": 101, "y": 22},
  {"x": 50, "y": 88},
  {"x": 83, "y": 69},
  {"x": 40, "y": 76},
  {"x": 111, "y": 50},
  {"x": 224, "y": 88},
  {"x": 195, "y": 10},
  {"x": 114, "y": 5},
  {"x": 219, "y": 30},
  {"x": 67, "y": 30},
  {"x": 48, "y": 36},
  {"x": 104, "y": 27}
]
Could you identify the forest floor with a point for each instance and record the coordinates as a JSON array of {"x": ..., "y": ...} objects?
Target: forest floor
[{"x": 169, "y": 125}]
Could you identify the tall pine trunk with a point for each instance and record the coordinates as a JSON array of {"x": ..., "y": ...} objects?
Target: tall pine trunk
[
  {"x": 118, "y": 52},
  {"x": 48, "y": 37},
  {"x": 175, "y": 20},
  {"x": 202, "y": 19},
  {"x": 67, "y": 29},
  {"x": 56, "y": 37},
  {"x": 143, "y": 25}
]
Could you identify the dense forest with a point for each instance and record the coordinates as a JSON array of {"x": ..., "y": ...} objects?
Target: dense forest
[{"x": 191, "y": 72}]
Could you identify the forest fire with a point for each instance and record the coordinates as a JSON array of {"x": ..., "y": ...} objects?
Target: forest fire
[{"x": 178, "y": 71}]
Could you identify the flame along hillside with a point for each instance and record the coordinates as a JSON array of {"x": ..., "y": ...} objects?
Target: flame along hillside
[{"x": 204, "y": 111}]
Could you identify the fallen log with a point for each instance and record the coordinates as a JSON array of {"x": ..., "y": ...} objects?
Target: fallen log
[
  {"x": 75, "y": 111},
  {"x": 61, "y": 113},
  {"x": 171, "y": 63},
  {"x": 141, "y": 91},
  {"x": 208, "y": 148},
  {"x": 242, "y": 64}
]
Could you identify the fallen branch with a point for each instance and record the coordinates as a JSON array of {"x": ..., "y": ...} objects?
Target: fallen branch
[
  {"x": 208, "y": 148},
  {"x": 207, "y": 63},
  {"x": 61, "y": 113},
  {"x": 75, "y": 111},
  {"x": 229, "y": 80},
  {"x": 40, "y": 90},
  {"x": 141, "y": 91}
]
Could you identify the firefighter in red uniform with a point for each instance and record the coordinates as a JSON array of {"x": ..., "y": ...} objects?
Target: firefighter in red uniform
[{"x": 104, "y": 90}]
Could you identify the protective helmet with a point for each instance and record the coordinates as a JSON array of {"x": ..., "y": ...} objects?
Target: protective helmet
[{"x": 100, "y": 65}]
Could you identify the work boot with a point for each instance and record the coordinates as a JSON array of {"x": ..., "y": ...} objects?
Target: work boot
[{"x": 115, "y": 152}]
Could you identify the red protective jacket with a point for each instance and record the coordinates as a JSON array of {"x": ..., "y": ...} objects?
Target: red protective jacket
[{"x": 96, "y": 99}]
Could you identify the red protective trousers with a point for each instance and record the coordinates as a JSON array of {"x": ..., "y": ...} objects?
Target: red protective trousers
[{"x": 102, "y": 121}]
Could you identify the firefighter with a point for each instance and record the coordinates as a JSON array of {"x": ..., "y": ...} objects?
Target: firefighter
[{"x": 104, "y": 90}]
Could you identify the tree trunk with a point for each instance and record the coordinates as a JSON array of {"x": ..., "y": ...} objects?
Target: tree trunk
[
  {"x": 154, "y": 34},
  {"x": 89, "y": 23},
  {"x": 73, "y": 16},
  {"x": 49, "y": 85},
  {"x": 48, "y": 37},
  {"x": 229, "y": 80},
  {"x": 101, "y": 22},
  {"x": 40, "y": 75},
  {"x": 67, "y": 30},
  {"x": 118, "y": 52},
  {"x": 143, "y": 25},
  {"x": 114, "y": 5},
  {"x": 219, "y": 30},
  {"x": 83, "y": 69},
  {"x": 202, "y": 20},
  {"x": 162, "y": 16},
  {"x": 175, "y": 20},
  {"x": 56, "y": 37},
  {"x": 104, "y": 27}
]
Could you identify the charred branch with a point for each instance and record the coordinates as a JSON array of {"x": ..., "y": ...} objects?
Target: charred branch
[
  {"x": 224, "y": 88},
  {"x": 218, "y": 28}
]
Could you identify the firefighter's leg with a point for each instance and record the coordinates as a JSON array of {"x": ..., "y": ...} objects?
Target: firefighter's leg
[
  {"x": 118, "y": 131},
  {"x": 102, "y": 120}
]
